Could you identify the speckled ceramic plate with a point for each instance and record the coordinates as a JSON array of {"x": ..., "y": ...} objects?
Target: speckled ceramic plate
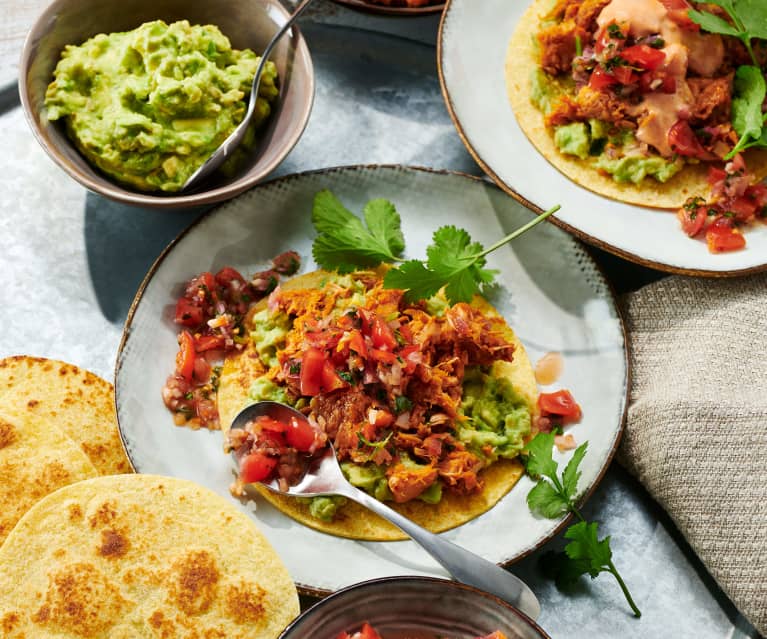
[
  {"x": 549, "y": 290},
  {"x": 472, "y": 46},
  {"x": 372, "y": 7}
]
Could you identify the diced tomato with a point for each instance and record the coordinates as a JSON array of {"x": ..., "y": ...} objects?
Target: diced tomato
[
  {"x": 256, "y": 466},
  {"x": 343, "y": 635},
  {"x": 287, "y": 263},
  {"x": 312, "y": 364},
  {"x": 368, "y": 632},
  {"x": 692, "y": 216},
  {"x": 385, "y": 357},
  {"x": 601, "y": 79},
  {"x": 644, "y": 56},
  {"x": 381, "y": 418},
  {"x": 201, "y": 370},
  {"x": 625, "y": 75},
  {"x": 560, "y": 403},
  {"x": 272, "y": 425},
  {"x": 722, "y": 236},
  {"x": 357, "y": 343},
  {"x": 606, "y": 37},
  {"x": 758, "y": 193},
  {"x": 208, "y": 343},
  {"x": 188, "y": 313},
  {"x": 300, "y": 435},
  {"x": 716, "y": 175},
  {"x": 206, "y": 283},
  {"x": 382, "y": 335},
  {"x": 206, "y": 410},
  {"x": 684, "y": 142},
  {"x": 678, "y": 12},
  {"x": 330, "y": 380},
  {"x": 743, "y": 207},
  {"x": 227, "y": 275},
  {"x": 407, "y": 356},
  {"x": 185, "y": 356}
]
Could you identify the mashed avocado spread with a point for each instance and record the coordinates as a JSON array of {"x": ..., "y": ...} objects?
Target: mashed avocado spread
[
  {"x": 149, "y": 106},
  {"x": 612, "y": 152}
]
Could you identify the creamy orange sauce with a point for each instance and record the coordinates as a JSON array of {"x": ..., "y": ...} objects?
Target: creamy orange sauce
[
  {"x": 703, "y": 53},
  {"x": 549, "y": 368}
]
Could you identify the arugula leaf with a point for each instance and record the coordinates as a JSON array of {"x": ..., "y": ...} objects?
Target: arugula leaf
[
  {"x": 345, "y": 244},
  {"x": 454, "y": 262},
  {"x": 552, "y": 497}
]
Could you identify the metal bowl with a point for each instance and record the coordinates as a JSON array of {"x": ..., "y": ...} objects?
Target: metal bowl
[
  {"x": 247, "y": 23},
  {"x": 369, "y": 6},
  {"x": 422, "y": 607}
]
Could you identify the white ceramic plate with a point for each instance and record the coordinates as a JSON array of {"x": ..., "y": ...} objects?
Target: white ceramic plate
[
  {"x": 472, "y": 45},
  {"x": 550, "y": 292}
]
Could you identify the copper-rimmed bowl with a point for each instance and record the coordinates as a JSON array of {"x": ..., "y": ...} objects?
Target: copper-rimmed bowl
[
  {"x": 247, "y": 23},
  {"x": 422, "y": 607},
  {"x": 369, "y": 6}
]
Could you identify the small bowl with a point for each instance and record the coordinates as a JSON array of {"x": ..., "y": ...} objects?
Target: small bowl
[
  {"x": 422, "y": 607},
  {"x": 372, "y": 7},
  {"x": 247, "y": 24}
]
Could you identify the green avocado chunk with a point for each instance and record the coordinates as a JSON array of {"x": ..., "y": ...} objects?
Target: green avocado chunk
[
  {"x": 573, "y": 139},
  {"x": 635, "y": 168},
  {"x": 149, "y": 106}
]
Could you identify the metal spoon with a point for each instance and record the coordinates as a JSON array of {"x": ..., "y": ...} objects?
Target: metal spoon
[
  {"x": 235, "y": 137},
  {"x": 324, "y": 478}
]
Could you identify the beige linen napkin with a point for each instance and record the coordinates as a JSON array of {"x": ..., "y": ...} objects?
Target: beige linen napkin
[{"x": 696, "y": 435}]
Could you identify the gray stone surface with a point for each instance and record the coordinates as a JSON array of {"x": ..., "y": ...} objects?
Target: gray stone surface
[{"x": 72, "y": 262}]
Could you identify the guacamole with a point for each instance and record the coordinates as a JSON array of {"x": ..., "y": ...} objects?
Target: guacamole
[{"x": 149, "y": 106}]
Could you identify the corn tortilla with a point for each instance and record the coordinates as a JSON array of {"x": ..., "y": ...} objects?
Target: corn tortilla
[
  {"x": 141, "y": 556},
  {"x": 352, "y": 520},
  {"x": 36, "y": 458},
  {"x": 80, "y": 403},
  {"x": 522, "y": 59}
]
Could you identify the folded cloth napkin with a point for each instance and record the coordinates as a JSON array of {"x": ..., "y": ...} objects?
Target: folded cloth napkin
[{"x": 696, "y": 435}]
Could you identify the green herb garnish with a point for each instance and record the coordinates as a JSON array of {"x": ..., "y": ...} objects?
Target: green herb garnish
[
  {"x": 749, "y": 21},
  {"x": 747, "y": 117},
  {"x": 402, "y": 404},
  {"x": 554, "y": 496},
  {"x": 453, "y": 261}
]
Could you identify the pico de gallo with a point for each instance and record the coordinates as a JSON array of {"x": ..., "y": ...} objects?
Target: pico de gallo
[
  {"x": 368, "y": 632},
  {"x": 210, "y": 313},
  {"x": 737, "y": 200}
]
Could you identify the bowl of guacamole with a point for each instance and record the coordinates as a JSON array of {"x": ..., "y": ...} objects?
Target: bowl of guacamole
[{"x": 131, "y": 103}]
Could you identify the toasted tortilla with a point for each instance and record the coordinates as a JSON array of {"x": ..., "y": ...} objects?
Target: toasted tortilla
[
  {"x": 522, "y": 59},
  {"x": 352, "y": 520},
  {"x": 78, "y": 402},
  {"x": 36, "y": 458},
  {"x": 141, "y": 556}
]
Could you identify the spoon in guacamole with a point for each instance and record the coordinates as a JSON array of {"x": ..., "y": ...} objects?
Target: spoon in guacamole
[
  {"x": 322, "y": 477},
  {"x": 229, "y": 145}
]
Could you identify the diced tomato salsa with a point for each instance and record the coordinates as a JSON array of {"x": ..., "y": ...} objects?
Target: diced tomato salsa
[
  {"x": 210, "y": 313},
  {"x": 737, "y": 201},
  {"x": 368, "y": 632}
]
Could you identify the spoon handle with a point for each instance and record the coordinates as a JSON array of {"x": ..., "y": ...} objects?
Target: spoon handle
[{"x": 463, "y": 565}]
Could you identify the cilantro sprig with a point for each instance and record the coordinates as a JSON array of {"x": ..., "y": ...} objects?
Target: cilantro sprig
[
  {"x": 554, "y": 496},
  {"x": 454, "y": 262},
  {"x": 747, "y": 117},
  {"x": 749, "y": 21}
]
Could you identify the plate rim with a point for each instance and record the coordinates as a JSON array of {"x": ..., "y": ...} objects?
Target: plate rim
[
  {"x": 305, "y": 589},
  {"x": 402, "y": 12},
  {"x": 581, "y": 235}
]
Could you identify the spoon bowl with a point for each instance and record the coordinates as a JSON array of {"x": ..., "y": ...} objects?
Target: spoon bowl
[{"x": 324, "y": 477}]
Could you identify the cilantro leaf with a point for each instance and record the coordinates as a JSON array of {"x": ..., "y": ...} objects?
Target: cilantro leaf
[
  {"x": 345, "y": 244},
  {"x": 540, "y": 462},
  {"x": 713, "y": 23},
  {"x": 418, "y": 281},
  {"x": 585, "y": 545},
  {"x": 571, "y": 475},
  {"x": 749, "y": 21},
  {"x": 552, "y": 497},
  {"x": 384, "y": 222},
  {"x": 544, "y": 500}
]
